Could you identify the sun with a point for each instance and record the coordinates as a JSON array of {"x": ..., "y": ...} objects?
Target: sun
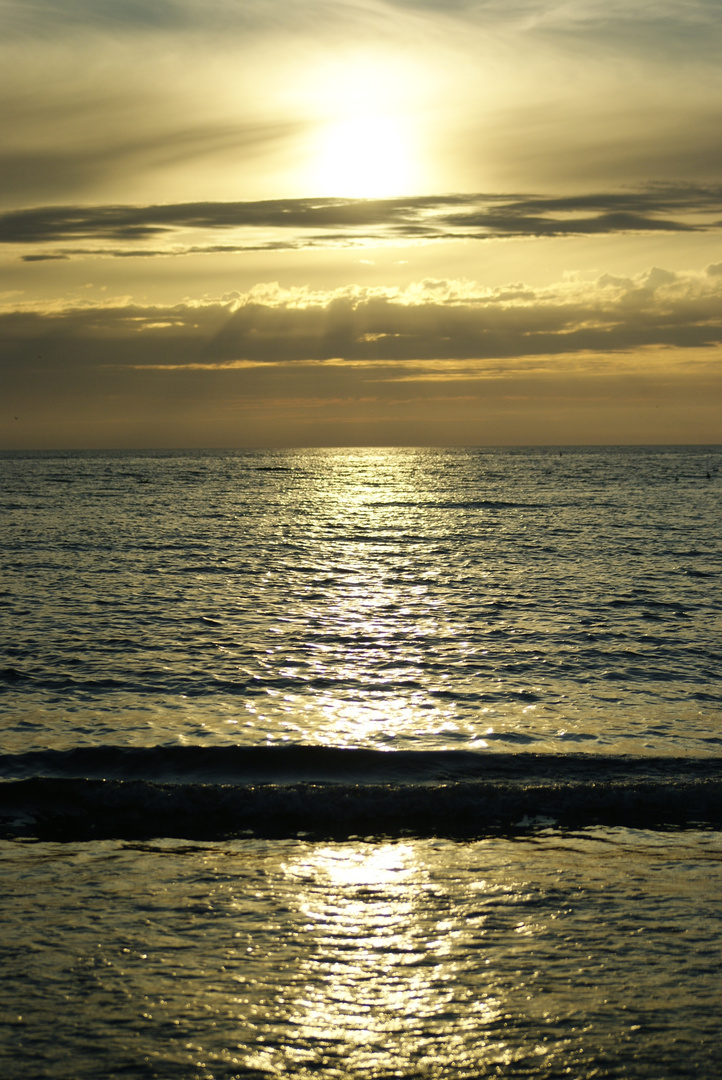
[
  {"x": 364, "y": 157},
  {"x": 363, "y": 138}
]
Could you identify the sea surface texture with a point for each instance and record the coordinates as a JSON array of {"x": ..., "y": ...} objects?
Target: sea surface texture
[{"x": 361, "y": 763}]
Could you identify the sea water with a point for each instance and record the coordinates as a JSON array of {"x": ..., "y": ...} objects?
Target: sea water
[{"x": 385, "y": 763}]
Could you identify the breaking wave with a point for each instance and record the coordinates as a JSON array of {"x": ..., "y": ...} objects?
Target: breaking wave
[{"x": 216, "y": 792}]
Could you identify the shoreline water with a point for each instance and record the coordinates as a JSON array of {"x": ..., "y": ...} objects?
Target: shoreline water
[{"x": 226, "y": 792}]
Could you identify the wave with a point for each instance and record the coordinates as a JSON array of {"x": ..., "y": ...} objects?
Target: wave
[{"x": 221, "y": 792}]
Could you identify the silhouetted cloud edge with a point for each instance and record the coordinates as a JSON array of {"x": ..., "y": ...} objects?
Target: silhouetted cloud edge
[
  {"x": 306, "y": 222},
  {"x": 432, "y": 320}
]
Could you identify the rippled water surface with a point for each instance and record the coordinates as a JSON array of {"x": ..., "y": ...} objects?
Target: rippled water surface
[
  {"x": 366, "y": 598},
  {"x": 210, "y": 872},
  {"x": 580, "y": 956}
]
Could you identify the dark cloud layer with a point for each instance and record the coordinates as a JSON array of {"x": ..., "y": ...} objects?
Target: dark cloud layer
[
  {"x": 617, "y": 360},
  {"x": 434, "y": 320},
  {"x": 449, "y": 321},
  {"x": 309, "y": 222}
]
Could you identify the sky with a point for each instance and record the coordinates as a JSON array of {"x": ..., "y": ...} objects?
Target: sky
[{"x": 360, "y": 222}]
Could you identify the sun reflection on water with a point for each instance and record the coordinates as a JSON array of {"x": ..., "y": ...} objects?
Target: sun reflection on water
[
  {"x": 379, "y": 646},
  {"x": 379, "y": 976}
]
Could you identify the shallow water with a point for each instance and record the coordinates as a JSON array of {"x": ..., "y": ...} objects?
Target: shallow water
[
  {"x": 593, "y": 954},
  {"x": 371, "y": 763}
]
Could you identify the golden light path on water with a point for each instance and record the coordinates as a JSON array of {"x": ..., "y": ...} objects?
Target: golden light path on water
[
  {"x": 379, "y": 976},
  {"x": 389, "y": 598},
  {"x": 593, "y": 954},
  {"x": 377, "y": 609}
]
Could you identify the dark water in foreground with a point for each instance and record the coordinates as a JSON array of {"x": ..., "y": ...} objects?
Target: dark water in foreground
[
  {"x": 549, "y": 956},
  {"x": 361, "y": 763}
]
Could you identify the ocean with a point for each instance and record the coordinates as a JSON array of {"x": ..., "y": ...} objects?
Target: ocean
[{"x": 380, "y": 763}]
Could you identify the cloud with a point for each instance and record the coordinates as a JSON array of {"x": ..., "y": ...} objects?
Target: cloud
[
  {"x": 431, "y": 321},
  {"x": 617, "y": 20},
  {"x": 85, "y": 140},
  {"x": 460, "y": 321},
  {"x": 123, "y": 100},
  {"x": 617, "y": 359},
  {"x": 49, "y": 18},
  {"x": 293, "y": 223},
  {"x": 52, "y": 19}
]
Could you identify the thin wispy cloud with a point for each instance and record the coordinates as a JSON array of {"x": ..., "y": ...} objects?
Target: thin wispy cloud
[
  {"x": 612, "y": 17},
  {"x": 297, "y": 223},
  {"x": 118, "y": 95}
]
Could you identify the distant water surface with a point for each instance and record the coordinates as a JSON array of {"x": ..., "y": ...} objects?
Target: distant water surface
[{"x": 528, "y": 599}]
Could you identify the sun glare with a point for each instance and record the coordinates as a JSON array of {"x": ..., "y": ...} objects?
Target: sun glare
[
  {"x": 364, "y": 157},
  {"x": 364, "y": 135}
]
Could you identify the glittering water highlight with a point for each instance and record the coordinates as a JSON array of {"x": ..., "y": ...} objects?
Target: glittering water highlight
[
  {"x": 396, "y": 598},
  {"x": 370, "y": 763}
]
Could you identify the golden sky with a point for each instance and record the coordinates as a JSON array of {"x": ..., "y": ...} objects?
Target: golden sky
[{"x": 360, "y": 222}]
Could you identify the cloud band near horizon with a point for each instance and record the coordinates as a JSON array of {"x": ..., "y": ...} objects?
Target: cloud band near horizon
[{"x": 433, "y": 320}]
